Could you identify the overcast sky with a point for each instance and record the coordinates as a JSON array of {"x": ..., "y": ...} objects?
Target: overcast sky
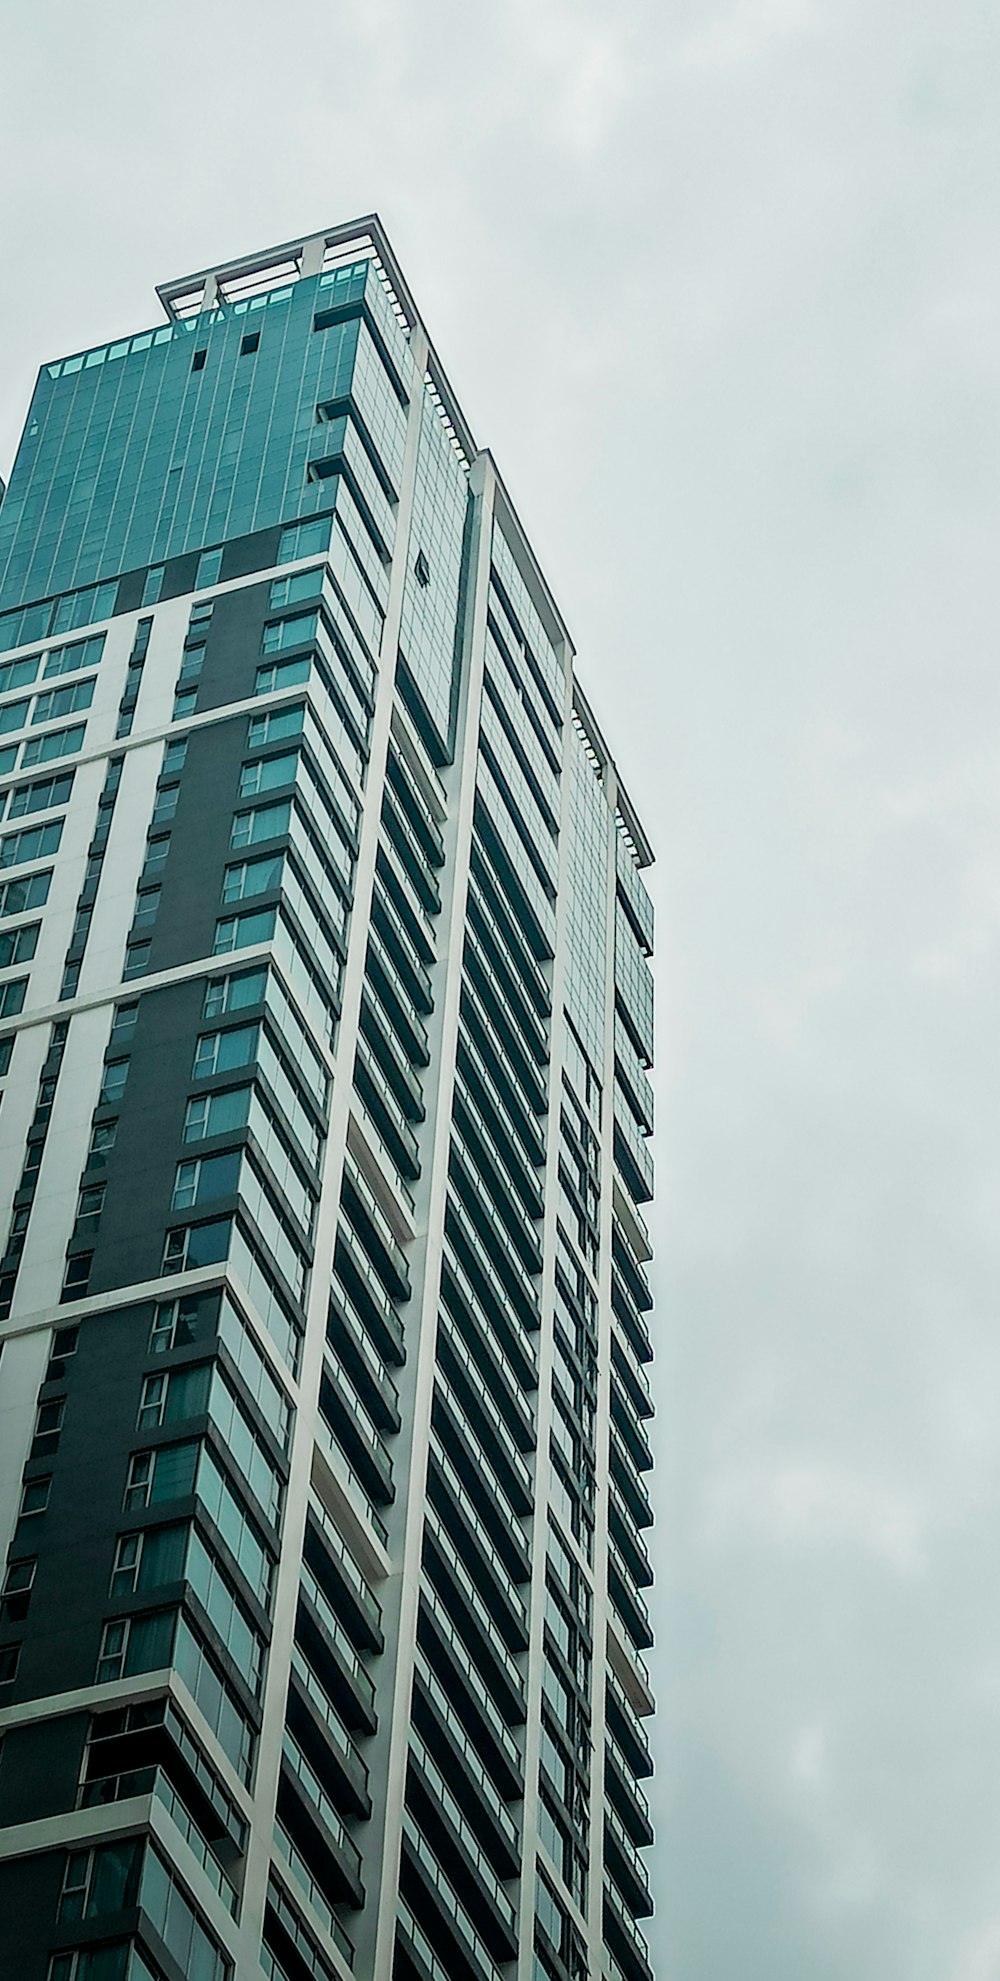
[{"x": 717, "y": 280}]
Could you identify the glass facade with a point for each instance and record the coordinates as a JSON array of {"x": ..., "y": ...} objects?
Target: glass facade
[{"x": 325, "y": 1028}]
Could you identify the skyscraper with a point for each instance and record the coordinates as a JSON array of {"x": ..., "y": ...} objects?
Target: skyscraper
[{"x": 325, "y": 1020}]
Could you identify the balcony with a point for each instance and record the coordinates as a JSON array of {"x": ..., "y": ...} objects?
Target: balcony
[
  {"x": 331, "y": 1560},
  {"x": 414, "y": 808},
  {"x": 633, "y": 1154},
  {"x": 374, "y": 1231},
  {"x": 518, "y": 1283},
  {"x": 628, "y": 1602},
  {"x": 354, "y": 1270},
  {"x": 491, "y": 901},
  {"x": 437, "y": 1720},
  {"x": 633, "y": 1327},
  {"x": 492, "y": 1132},
  {"x": 468, "y": 1691},
  {"x": 317, "y": 1827},
  {"x": 630, "y": 1269},
  {"x": 500, "y": 991},
  {"x": 629, "y": 1428},
  {"x": 410, "y": 964},
  {"x": 328, "y": 1646},
  {"x": 317, "y": 1726},
  {"x": 478, "y": 1407},
  {"x": 349, "y": 1339},
  {"x": 622, "y": 1789},
  {"x": 627, "y": 1541},
  {"x": 397, "y": 881},
  {"x": 514, "y": 1123},
  {"x": 381, "y": 1104},
  {"x": 628, "y": 1482},
  {"x": 485, "y": 1019},
  {"x": 626, "y": 1727},
  {"x": 489, "y": 1320},
  {"x": 307, "y": 1887},
  {"x": 435, "y": 1903},
  {"x": 627, "y": 1946},
  {"x": 377, "y": 1030},
  {"x": 628, "y": 1371},
  {"x": 472, "y": 1337},
  {"x": 471, "y": 1537},
  {"x": 391, "y": 992},
  {"x": 447, "y": 1829},
  {"x": 399, "y": 839},
  {"x": 627, "y": 1869},
  {"x": 449, "y": 1576},
  {"x": 348, "y": 1423}
]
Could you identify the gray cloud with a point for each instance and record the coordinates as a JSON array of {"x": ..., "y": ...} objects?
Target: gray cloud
[{"x": 719, "y": 284}]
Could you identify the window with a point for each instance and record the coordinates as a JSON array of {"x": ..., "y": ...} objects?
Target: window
[
  {"x": 6, "y": 1051},
  {"x": 62, "y": 701},
  {"x": 253, "y": 876},
  {"x": 102, "y": 1141},
  {"x": 32, "y": 892},
  {"x": 236, "y": 932},
  {"x": 264, "y": 822},
  {"x": 291, "y": 632},
  {"x": 249, "y": 343},
  {"x": 48, "y": 1425},
  {"x": 137, "y": 957},
  {"x": 35, "y": 1497},
  {"x": 41, "y": 795},
  {"x": 18, "y": 673},
  {"x": 65, "y": 1342},
  {"x": 198, "y": 360},
  {"x": 13, "y": 715},
  {"x": 9, "y": 1657},
  {"x": 217, "y": 1114},
  {"x": 205, "y": 1180},
  {"x": 304, "y": 539},
  {"x": 176, "y": 1322},
  {"x": 69, "y": 660},
  {"x": 165, "y": 1474},
  {"x": 165, "y": 804},
  {"x": 100, "y": 1881},
  {"x": 17, "y": 1590},
  {"x": 185, "y": 703},
  {"x": 291, "y": 591},
  {"x": 31, "y": 843},
  {"x": 12, "y": 998},
  {"x": 135, "y": 1644},
  {"x": 113, "y": 1082},
  {"x": 171, "y": 1395},
  {"x": 422, "y": 570},
  {"x": 282, "y": 674},
  {"x": 174, "y": 1918},
  {"x": 18, "y": 945},
  {"x": 267, "y": 773},
  {"x": 217, "y": 1052},
  {"x": 153, "y": 585},
  {"x": 148, "y": 1560},
  {"x": 275, "y": 726},
  {"x": 174, "y": 757},
  {"x": 124, "y": 1021},
  {"x": 77, "y": 1276},
  {"x": 61, "y": 743},
  {"x": 234, "y": 992},
  {"x": 91, "y": 1203},
  {"x": 147, "y": 904},
  {"x": 192, "y": 1245},
  {"x": 209, "y": 566}
]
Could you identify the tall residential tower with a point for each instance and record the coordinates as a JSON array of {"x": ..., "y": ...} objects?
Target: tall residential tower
[{"x": 325, "y": 1020}]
